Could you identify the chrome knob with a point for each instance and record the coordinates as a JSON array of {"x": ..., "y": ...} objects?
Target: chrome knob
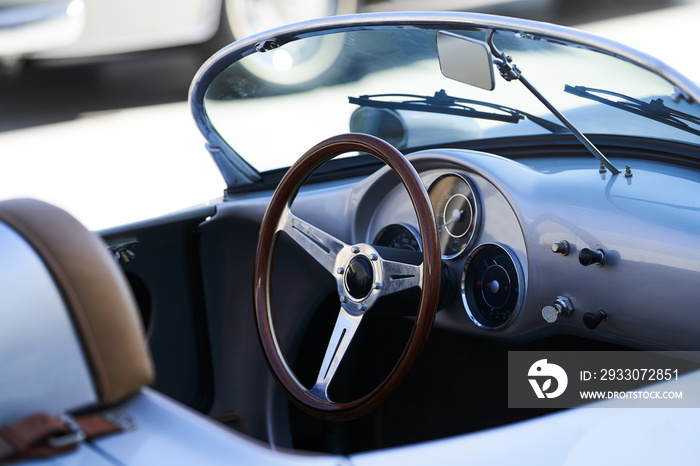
[
  {"x": 562, "y": 307},
  {"x": 562, "y": 247}
]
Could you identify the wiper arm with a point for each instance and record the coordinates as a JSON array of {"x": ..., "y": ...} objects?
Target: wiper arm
[
  {"x": 654, "y": 109},
  {"x": 509, "y": 71},
  {"x": 443, "y": 103}
]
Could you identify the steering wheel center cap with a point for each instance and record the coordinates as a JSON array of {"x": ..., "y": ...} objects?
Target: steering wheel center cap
[{"x": 359, "y": 278}]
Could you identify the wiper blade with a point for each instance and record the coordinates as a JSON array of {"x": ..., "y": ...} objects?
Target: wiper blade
[
  {"x": 654, "y": 109},
  {"x": 443, "y": 103}
]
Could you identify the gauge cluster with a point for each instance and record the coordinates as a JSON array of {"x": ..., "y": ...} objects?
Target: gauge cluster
[
  {"x": 398, "y": 236},
  {"x": 485, "y": 270},
  {"x": 527, "y": 251},
  {"x": 491, "y": 286},
  {"x": 455, "y": 204}
]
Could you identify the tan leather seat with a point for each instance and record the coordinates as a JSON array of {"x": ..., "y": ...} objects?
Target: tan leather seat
[{"x": 91, "y": 289}]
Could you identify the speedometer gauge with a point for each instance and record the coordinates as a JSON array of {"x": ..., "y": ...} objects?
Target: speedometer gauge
[
  {"x": 398, "y": 236},
  {"x": 456, "y": 213}
]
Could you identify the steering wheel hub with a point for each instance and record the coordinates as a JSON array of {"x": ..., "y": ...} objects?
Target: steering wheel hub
[{"x": 359, "y": 278}]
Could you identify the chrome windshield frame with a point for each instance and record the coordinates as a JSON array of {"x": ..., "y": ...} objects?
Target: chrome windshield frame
[{"x": 237, "y": 172}]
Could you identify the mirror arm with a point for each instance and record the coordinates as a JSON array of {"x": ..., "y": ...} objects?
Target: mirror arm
[{"x": 510, "y": 71}]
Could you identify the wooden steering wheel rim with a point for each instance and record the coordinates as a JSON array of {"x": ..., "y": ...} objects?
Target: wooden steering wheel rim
[{"x": 430, "y": 284}]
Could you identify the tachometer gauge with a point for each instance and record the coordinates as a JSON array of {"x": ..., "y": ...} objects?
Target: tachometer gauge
[
  {"x": 491, "y": 286},
  {"x": 398, "y": 236},
  {"x": 456, "y": 213}
]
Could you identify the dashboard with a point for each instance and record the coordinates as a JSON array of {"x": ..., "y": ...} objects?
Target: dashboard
[
  {"x": 522, "y": 224},
  {"x": 539, "y": 247},
  {"x": 486, "y": 278}
]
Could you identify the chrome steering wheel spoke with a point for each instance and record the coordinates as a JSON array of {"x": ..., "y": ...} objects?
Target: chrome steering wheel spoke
[
  {"x": 343, "y": 333},
  {"x": 363, "y": 276},
  {"x": 323, "y": 247},
  {"x": 399, "y": 276}
]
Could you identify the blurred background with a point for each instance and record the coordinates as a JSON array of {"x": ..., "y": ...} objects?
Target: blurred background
[{"x": 105, "y": 132}]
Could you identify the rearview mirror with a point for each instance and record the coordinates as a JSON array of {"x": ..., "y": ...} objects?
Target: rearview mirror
[{"x": 466, "y": 60}]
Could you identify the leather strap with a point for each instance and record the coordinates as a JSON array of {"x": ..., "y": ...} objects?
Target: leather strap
[{"x": 42, "y": 434}]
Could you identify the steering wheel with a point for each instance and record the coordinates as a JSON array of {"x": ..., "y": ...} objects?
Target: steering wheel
[{"x": 361, "y": 273}]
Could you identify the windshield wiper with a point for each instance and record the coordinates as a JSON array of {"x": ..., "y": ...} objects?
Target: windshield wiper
[
  {"x": 654, "y": 109},
  {"x": 510, "y": 71},
  {"x": 443, "y": 103}
]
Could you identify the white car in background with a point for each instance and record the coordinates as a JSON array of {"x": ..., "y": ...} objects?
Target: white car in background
[{"x": 78, "y": 29}]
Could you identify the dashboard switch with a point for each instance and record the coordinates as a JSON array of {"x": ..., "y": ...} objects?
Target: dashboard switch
[
  {"x": 562, "y": 247},
  {"x": 589, "y": 257},
  {"x": 562, "y": 308},
  {"x": 592, "y": 319}
]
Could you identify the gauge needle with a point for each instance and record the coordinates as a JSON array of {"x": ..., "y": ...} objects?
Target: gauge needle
[{"x": 456, "y": 216}]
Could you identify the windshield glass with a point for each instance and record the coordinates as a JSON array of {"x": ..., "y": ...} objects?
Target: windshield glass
[{"x": 272, "y": 106}]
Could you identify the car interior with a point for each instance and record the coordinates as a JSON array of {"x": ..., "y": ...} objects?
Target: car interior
[{"x": 452, "y": 253}]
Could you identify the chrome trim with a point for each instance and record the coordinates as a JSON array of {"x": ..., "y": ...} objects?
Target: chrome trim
[
  {"x": 521, "y": 286},
  {"x": 388, "y": 277},
  {"x": 444, "y": 212},
  {"x": 442, "y": 20},
  {"x": 324, "y": 248},
  {"x": 335, "y": 256},
  {"x": 476, "y": 212},
  {"x": 76, "y": 434},
  {"x": 343, "y": 333}
]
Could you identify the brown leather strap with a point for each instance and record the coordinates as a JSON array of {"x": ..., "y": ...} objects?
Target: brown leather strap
[
  {"x": 97, "y": 425},
  {"x": 30, "y": 432},
  {"x": 42, "y": 434}
]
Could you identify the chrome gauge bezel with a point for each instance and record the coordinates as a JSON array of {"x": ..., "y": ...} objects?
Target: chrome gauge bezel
[
  {"x": 521, "y": 287},
  {"x": 410, "y": 229},
  {"x": 474, "y": 204}
]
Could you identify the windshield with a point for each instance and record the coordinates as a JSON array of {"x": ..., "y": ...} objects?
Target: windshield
[{"x": 272, "y": 106}]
